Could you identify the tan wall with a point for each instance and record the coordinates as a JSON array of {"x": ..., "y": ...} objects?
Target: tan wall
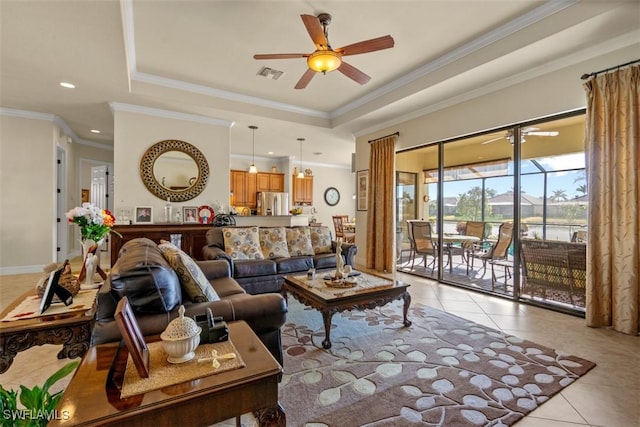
[
  {"x": 27, "y": 193},
  {"x": 134, "y": 133}
]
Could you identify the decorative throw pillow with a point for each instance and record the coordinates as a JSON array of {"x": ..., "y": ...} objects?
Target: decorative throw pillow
[
  {"x": 242, "y": 243},
  {"x": 299, "y": 241},
  {"x": 273, "y": 242},
  {"x": 321, "y": 239},
  {"x": 193, "y": 281}
]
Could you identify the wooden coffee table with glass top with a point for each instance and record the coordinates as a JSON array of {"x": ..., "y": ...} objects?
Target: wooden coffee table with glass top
[{"x": 370, "y": 291}]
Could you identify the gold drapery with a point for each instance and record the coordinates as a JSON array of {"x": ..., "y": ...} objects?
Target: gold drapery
[
  {"x": 380, "y": 230},
  {"x": 613, "y": 163}
]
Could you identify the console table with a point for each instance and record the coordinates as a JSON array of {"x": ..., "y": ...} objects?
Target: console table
[
  {"x": 192, "y": 236},
  {"x": 71, "y": 330}
]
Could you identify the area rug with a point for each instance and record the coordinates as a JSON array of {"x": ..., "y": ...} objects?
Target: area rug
[{"x": 443, "y": 370}]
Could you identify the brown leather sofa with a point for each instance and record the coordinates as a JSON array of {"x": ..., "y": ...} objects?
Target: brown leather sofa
[
  {"x": 258, "y": 276},
  {"x": 143, "y": 275}
]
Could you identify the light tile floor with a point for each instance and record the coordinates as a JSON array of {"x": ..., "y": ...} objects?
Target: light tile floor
[{"x": 608, "y": 396}]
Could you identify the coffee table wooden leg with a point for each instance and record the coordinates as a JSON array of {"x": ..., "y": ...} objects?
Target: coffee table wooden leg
[
  {"x": 326, "y": 317},
  {"x": 405, "y": 309}
]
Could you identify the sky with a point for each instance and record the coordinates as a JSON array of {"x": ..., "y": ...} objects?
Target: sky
[{"x": 564, "y": 179}]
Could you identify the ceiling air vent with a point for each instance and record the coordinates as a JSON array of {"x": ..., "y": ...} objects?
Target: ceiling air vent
[{"x": 270, "y": 73}]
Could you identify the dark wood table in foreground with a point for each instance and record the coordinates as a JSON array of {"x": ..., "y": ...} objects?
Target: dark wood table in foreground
[
  {"x": 201, "y": 402},
  {"x": 328, "y": 301},
  {"x": 71, "y": 330}
]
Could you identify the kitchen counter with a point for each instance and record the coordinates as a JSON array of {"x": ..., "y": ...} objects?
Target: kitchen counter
[{"x": 273, "y": 220}]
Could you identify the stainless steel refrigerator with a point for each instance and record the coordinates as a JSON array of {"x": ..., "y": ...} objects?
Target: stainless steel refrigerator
[{"x": 272, "y": 203}]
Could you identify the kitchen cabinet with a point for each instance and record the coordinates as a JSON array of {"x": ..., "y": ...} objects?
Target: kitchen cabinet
[
  {"x": 243, "y": 187},
  {"x": 270, "y": 182},
  {"x": 302, "y": 190}
]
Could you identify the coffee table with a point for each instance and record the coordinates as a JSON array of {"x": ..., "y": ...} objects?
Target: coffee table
[
  {"x": 372, "y": 291},
  {"x": 72, "y": 330},
  {"x": 93, "y": 396}
]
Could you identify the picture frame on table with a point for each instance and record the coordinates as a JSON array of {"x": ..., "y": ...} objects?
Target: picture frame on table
[
  {"x": 362, "y": 189},
  {"x": 143, "y": 215},
  {"x": 190, "y": 214},
  {"x": 133, "y": 338},
  {"x": 53, "y": 288}
]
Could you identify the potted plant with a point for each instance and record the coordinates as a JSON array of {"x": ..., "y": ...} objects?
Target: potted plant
[{"x": 38, "y": 405}]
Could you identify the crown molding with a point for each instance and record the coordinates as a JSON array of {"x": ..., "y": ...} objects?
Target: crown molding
[
  {"x": 290, "y": 159},
  {"x": 224, "y": 94},
  {"x": 23, "y": 114},
  {"x": 33, "y": 115},
  {"x": 166, "y": 114}
]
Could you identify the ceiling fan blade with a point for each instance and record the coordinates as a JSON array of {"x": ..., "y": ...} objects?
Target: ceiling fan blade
[
  {"x": 353, "y": 73},
  {"x": 280, "y": 55},
  {"x": 384, "y": 42},
  {"x": 305, "y": 79},
  {"x": 315, "y": 30},
  {"x": 491, "y": 140}
]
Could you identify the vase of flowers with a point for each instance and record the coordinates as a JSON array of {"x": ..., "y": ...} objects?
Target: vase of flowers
[{"x": 95, "y": 224}]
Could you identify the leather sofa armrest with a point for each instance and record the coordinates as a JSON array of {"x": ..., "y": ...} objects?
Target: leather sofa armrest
[
  {"x": 215, "y": 269},
  {"x": 215, "y": 253},
  {"x": 349, "y": 251}
]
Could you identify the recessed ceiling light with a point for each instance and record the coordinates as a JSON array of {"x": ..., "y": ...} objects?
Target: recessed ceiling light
[
  {"x": 317, "y": 153},
  {"x": 270, "y": 153},
  {"x": 68, "y": 85},
  {"x": 95, "y": 131}
]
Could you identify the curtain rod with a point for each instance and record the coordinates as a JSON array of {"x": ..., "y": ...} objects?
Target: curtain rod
[
  {"x": 586, "y": 76},
  {"x": 383, "y": 137}
]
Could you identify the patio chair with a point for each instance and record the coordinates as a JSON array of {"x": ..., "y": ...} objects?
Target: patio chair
[
  {"x": 579, "y": 236},
  {"x": 341, "y": 234},
  {"x": 422, "y": 242},
  {"x": 475, "y": 229},
  {"x": 498, "y": 251}
]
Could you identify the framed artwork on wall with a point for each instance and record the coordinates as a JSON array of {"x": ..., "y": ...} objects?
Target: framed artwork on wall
[
  {"x": 143, "y": 215},
  {"x": 362, "y": 186}
]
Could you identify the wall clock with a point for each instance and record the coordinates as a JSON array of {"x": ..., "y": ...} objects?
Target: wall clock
[{"x": 332, "y": 196}]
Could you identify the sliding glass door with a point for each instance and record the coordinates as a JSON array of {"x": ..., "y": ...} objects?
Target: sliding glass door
[{"x": 481, "y": 202}]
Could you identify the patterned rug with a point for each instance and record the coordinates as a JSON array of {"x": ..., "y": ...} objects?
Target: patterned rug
[{"x": 441, "y": 371}]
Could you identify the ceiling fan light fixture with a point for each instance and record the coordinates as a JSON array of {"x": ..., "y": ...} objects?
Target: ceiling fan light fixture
[{"x": 323, "y": 61}]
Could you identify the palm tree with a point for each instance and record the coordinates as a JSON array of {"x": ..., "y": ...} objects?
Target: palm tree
[
  {"x": 559, "y": 195},
  {"x": 582, "y": 189}
]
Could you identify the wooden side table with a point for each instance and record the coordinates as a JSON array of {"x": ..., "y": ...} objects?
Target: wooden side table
[
  {"x": 92, "y": 397},
  {"x": 71, "y": 330}
]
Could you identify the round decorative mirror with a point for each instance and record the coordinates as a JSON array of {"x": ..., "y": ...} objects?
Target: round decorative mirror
[{"x": 175, "y": 170}]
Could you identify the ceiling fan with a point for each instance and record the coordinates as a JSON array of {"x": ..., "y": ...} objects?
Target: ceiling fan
[
  {"x": 523, "y": 133},
  {"x": 325, "y": 58}
]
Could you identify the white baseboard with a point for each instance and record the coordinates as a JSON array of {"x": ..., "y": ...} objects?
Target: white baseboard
[{"x": 21, "y": 269}]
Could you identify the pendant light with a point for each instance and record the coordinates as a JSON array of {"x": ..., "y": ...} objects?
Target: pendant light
[
  {"x": 253, "y": 168},
  {"x": 300, "y": 173}
]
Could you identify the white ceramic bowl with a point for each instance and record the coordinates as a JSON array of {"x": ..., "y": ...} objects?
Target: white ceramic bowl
[
  {"x": 182, "y": 349},
  {"x": 181, "y": 338}
]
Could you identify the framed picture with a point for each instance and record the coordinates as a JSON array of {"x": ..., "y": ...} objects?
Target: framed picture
[
  {"x": 133, "y": 337},
  {"x": 143, "y": 215},
  {"x": 54, "y": 288},
  {"x": 362, "y": 186},
  {"x": 189, "y": 214},
  {"x": 85, "y": 195}
]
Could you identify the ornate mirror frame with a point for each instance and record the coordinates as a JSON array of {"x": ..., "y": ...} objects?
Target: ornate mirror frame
[{"x": 156, "y": 150}]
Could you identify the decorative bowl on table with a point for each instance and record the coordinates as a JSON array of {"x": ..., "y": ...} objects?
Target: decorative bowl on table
[{"x": 181, "y": 338}]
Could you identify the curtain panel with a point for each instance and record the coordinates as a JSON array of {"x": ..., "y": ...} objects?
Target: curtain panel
[
  {"x": 613, "y": 179},
  {"x": 380, "y": 229}
]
